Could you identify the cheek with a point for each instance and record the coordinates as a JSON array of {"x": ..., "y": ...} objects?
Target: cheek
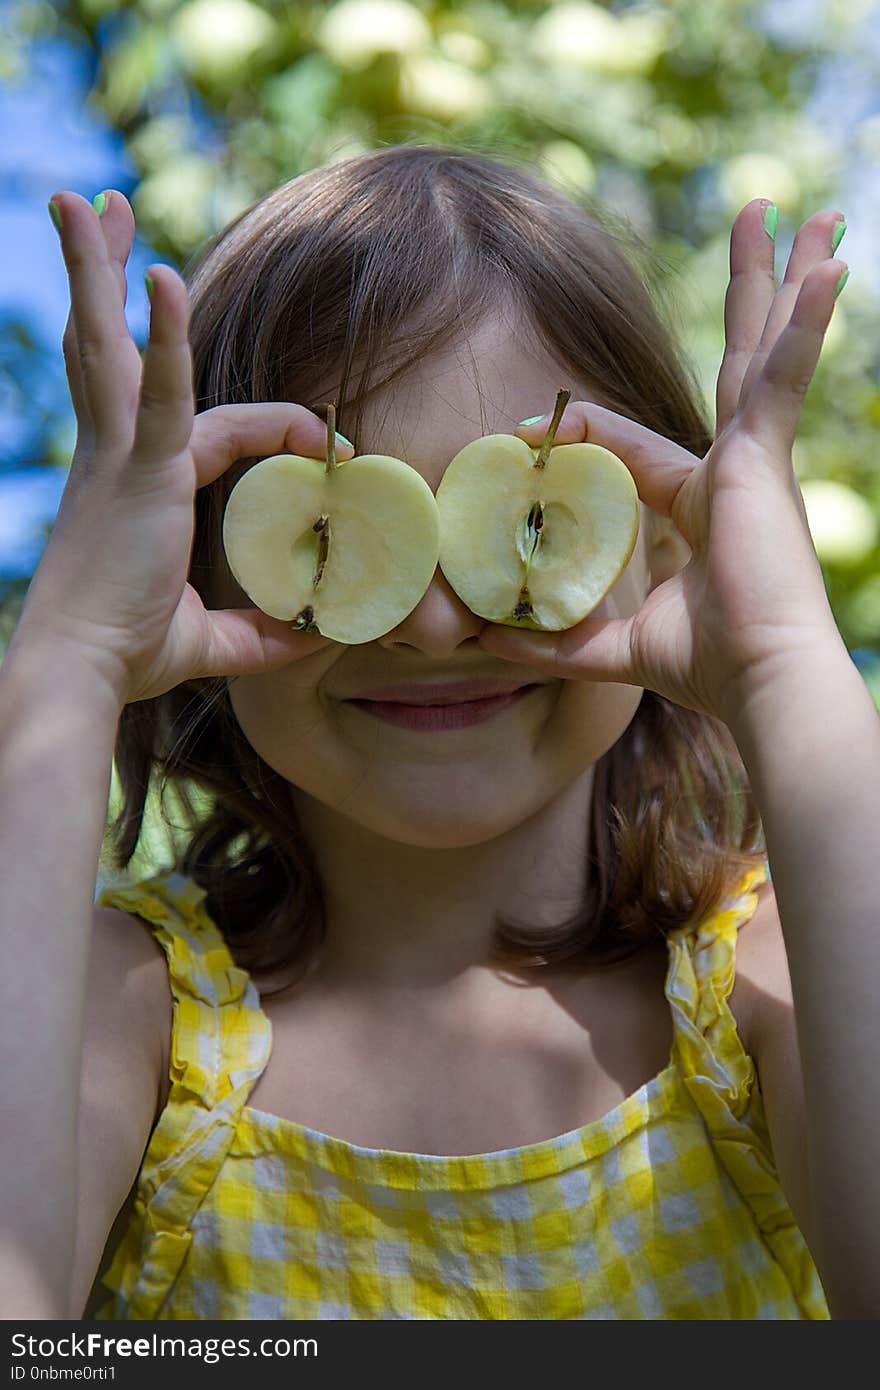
[
  {"x": 280, "y": 713},
  {"x": 592, "y": 716}
]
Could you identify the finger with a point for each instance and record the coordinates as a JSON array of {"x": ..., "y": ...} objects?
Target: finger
[
  {"x": 117, "y": 223},
  {"x": 772, "y": 410},
  {"x": 812, "y": 246},
  {"x": 246, "y": 641},
  {"x": 658, "y": 465},
  {"x": 106, "y": 356},
  {"x": 595, "y": 649},
  {"x": 226, "y": 433},
  {"x": 747, "y": 303},
  {"x": 116, "y": 220},
  {"x": 166, "y": 407},
  {"x": 70, "y": 349}
]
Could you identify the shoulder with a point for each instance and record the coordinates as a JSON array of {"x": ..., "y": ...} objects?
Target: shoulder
[
  {"x": 126, "y": 1036},
  {"x": 129, "y": 1004}
]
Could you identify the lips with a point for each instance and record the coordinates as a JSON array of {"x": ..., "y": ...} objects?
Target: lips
[
  {"x": 426, "y": 717},
  {"x": 446, "y": 694}
]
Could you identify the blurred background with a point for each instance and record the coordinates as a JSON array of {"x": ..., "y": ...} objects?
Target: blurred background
[{"x": 673, "y": 114}]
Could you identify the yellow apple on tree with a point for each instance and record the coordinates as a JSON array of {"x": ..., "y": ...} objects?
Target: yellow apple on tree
[
  {"x": 535, "y": 537},
  {"x": 345, "y": 549}
]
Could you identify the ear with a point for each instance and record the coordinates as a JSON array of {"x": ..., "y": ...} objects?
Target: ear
[{"x": 669, "y": 551}]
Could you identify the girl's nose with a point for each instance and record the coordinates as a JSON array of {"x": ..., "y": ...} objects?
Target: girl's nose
[{"x": 439, "y": 623}]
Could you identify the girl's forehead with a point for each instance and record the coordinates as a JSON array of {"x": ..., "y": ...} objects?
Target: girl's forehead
[{"x": 484, "y": 385}]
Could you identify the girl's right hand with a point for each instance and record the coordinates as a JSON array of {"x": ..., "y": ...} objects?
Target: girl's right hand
[{"x": 111, "y": 588}]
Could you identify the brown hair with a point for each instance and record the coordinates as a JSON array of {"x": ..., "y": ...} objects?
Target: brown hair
[{"x": 381, "y": 259}]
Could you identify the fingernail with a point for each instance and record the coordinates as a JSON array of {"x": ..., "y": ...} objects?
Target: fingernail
[
  {"x": 532, "y": 420},
  {"x": 55, "y": 214},
  {"x": 100, "y": 202},
  {"x": 771, "y": 220},
  {"x": 148, "y": 281},
  {"x": 841, "y": 282},
  {"x": 837, "y": 235},
  {"x": 341, "y": 439}
]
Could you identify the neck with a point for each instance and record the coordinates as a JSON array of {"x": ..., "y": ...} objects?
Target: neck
[{"x": 404, "y": 914}]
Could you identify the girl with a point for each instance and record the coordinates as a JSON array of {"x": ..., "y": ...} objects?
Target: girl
[{"x": 483, "y": 1014}]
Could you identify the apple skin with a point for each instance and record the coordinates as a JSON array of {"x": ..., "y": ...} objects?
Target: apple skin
[
  {"x": 383, "y": 534},
  {"x": 590, "y": 526}
]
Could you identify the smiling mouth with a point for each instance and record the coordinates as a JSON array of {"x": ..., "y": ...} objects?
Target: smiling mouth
[
  {"x": 444, "y": 693},
  {"x": 448, "y": 715}
]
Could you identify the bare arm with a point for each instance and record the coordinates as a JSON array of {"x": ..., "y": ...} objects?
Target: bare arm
[
  {"x": 57, "y": 731},
  {"x": 811, "y": 743},
  {"x": 110, "y": 619},
  {"x": 745, "y": 633}
]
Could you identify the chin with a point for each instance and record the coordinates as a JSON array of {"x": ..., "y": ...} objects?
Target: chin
[
  {"x": 452, "y": 835},
  {"x": 456, "y": 822}
]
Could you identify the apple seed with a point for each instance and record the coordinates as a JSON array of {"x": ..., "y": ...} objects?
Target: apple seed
[
  {"x": 323, "y": 528},
  {"x": 305, "y": 620}
]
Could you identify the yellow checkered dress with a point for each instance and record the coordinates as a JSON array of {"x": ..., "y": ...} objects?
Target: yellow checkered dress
[{"x": 667, "y": 1207}]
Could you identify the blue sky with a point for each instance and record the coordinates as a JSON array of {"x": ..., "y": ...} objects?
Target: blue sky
[{"x": 49, "y": 140}]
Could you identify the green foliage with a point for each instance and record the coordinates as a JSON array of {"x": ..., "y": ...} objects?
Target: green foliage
[{"x": 674, "y": 114}]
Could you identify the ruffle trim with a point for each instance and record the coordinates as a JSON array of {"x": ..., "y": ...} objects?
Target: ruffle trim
[
  {"x": 221, "y": 1036},
  {"x": 701, "y": 975}
]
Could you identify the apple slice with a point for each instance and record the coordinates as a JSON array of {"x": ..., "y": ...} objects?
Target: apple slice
[
  {"x": 535, "y": 537},
  {"x": 345, "y": 549}
]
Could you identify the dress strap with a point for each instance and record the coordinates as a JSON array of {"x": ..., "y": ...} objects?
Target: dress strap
[
  {"x": 722, "y": 1079},
  {"x": 220, "y": 1043},
  {"x": 701, "y": 976}
]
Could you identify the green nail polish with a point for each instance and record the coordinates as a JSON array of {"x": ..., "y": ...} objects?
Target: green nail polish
[
  {"x": 532, "y": 420},
  {"x": 55, "y": 214},
  {"x": 771, "y": 220},
  {"x": 841, "y": 282},
  {"x": 99, "y": 202},
  {"x": 341, "y": 439},
  {"x": 837, "y": 235},
  {"x": 148, "y": 281}
]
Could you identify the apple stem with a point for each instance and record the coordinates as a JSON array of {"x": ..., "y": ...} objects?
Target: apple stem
[
  {"x": 331, "y": 437},
  {"x": 562, "y": 400},
  {"x": 322, "y": 525}
]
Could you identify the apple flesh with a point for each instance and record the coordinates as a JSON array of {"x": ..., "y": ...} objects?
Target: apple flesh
[
  {"x": 532, "y": 545},
  {"x": 346, "y": 549}
]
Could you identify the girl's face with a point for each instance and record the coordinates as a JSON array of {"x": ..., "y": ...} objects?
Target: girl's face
[{"x": 446, "y": 788}]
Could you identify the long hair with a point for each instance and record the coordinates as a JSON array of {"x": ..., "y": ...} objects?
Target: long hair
[{"x": 381, "y": 259}]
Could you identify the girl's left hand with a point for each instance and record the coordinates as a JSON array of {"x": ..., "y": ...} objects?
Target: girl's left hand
[{"x": 751, "y": 600}]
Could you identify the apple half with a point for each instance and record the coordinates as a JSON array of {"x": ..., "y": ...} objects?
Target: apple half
[
  {"x": 535, "y": 538},
  {"x": 345, "y": 549}
]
